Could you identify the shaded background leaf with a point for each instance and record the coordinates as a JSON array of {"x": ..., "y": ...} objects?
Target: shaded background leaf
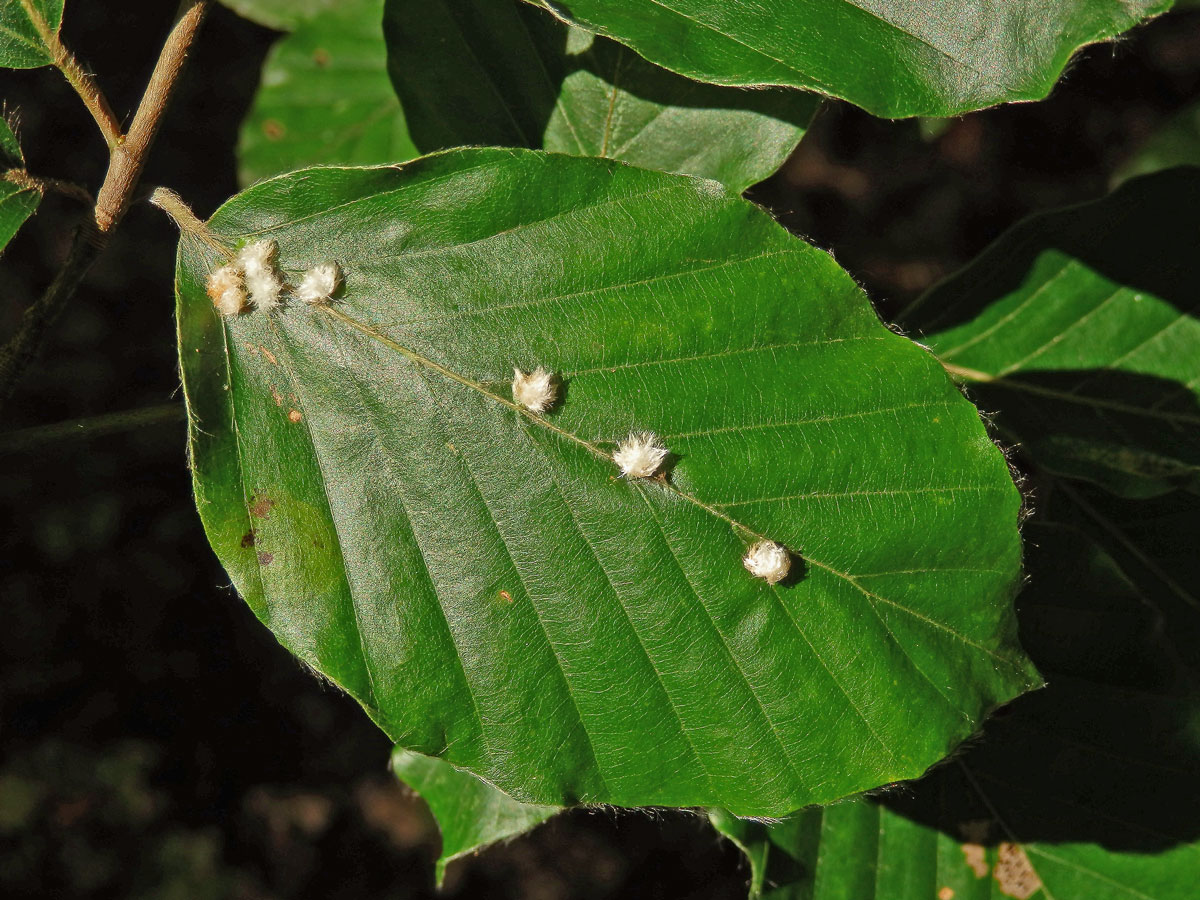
[
  {"x": 20, "y": 45},
  {"x": 504, "y": 72},
  {"x": 325, "y": 98},
  {"x": 281, "y": 14},
  {"x": 1080, "y": 326},
  {"x": 482, "y": 582},
  {"x": 891, "y": 57}
]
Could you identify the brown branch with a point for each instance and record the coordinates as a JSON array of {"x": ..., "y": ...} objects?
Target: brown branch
[
  {"x": 129, "y": 158},
  {"x": 80, "y": 79},
  {"x": 125, "y": 167}
]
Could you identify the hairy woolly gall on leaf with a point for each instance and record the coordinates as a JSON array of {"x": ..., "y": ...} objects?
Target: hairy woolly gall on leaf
[
  {"x": 263, "y": 283},
  {"x": 535, "y": 390},
  {"x": 319, "y": 284},
  {"x": 640, "y": 455},
  {"x": 769, "y": 561},
  {"x": 227, "y": 290}
]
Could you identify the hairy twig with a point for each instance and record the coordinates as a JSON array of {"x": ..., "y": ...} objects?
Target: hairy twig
[
  {"x": 79, "y": 78},
  {"x": 23, "y": 179},
  {"x": 129, "y": 158},
  {"x": 27, "y": 439},
  {"x": 125, "y": 167}
]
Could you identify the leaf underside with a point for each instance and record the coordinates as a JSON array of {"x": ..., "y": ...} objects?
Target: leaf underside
[
  {"x": 891, "y": 57},
  {"x": 503, "y": 72},
  {"x": 481, "y": 580}
]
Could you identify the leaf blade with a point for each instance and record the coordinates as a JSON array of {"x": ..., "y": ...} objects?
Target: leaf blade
[
  {"x": 21, "y": 45},
  {"x": 602, "y": 577},
  {"x": 887, "y": 56}
]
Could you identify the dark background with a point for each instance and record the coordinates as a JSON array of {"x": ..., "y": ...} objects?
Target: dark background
[{"x": 155, "y": 741}]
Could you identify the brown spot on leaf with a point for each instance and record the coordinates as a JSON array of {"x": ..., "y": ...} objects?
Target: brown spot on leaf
[
  {"x": 248, "y": 539},
  {"x": 1014, "y": 873},
  {"x": 276, "y": 396},
  {"x": 506, "y": 596},
  {"x": 946, "y": 893},
  {"x": 269, "y": 355},
  {"x": 976, "y": 858},
  {"x": 294, "y": 415},
  {"x": 273, "y": 129},
  {"x": 265, "y": 559},
  {"x": 321, "y": 57},
  {"x": 260, "y": 507}
]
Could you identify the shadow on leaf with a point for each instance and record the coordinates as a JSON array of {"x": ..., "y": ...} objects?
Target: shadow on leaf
[{"x": 1108, "y": 752}]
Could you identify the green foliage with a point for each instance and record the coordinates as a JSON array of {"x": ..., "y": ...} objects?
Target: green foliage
[
  {"x": 504, "y": 72},
  {"x": 1080, "y": 326},
  {"x": 282, "y": 14},
  {"x": 17, "y": 203},
  {"x": 20, "y": 45},
  {"x": 484, "y": 583},
  {"x": 891, "y": 57},
  {"x": 325, "y": 98},
  {"x": 470, "y": 813}
]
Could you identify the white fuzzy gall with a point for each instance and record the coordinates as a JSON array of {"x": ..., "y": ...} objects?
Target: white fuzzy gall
[
  {"x": 640, "y": 455},
  {"x": 536, "y": 390},
  {"x": 227, "y": 290},
  {"x": 263, "y": 283},
  {"x": 319, "y": 284},
  {"x": 769, "y": 561}
]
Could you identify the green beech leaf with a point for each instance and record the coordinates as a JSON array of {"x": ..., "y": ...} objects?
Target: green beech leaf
[
  {"x": 325, "y": 98},
  {"x": 1079, "y": 325},
  {"x": 504, "y": 72},
  {"x": 282, "y": 14},
  {"x": 481, "y": 579},
  {"x": 1083, "y": 791},
  {"x": 21, "y": 46},
  {"x": 470, "y": 813},
  {"x": 891, "y": 57},
  {"x": 17, "y": 201}
]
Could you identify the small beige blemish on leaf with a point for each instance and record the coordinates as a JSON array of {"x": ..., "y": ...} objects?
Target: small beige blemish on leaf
[
  {"x": 640, "y": 455},
  {"x": 263, "y": 284},
  {"x": 536, "y": 390},
  {"x": 319, "y": 284},
  {"x": 227, "y": 290},
  {"x": 769, "y": 561}
]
